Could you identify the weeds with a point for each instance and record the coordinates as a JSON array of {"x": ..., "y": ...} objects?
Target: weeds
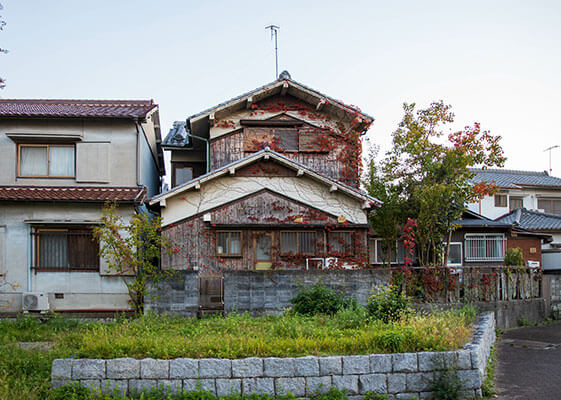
[{"x": 488, "y": 386}]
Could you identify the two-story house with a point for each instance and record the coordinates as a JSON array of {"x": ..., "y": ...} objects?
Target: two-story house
[
  {"x": 61, "y": 160},
  {"x": 268, "y": 179}
]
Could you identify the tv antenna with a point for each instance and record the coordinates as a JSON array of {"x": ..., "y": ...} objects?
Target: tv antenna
[
  {"x": 274, "y": 32},
  {"x": 549, "y": 149}
]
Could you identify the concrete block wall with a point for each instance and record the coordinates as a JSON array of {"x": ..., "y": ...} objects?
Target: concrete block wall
[
  {"x": 271, "y": 291},
  {"x": 175, "y": 296},
  {"x": 401, "y": 375}
]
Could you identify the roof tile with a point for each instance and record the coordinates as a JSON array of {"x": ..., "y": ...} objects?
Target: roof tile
[{"x": 69, "y": 193}]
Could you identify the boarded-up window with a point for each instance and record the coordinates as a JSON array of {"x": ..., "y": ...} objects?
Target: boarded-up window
[
  {"x": 284, "y": 139},
  {"x": 314, "y": 140},
  {"x": 254, "y": 138},
  {"x": 92, "y": 162},
  {"x": 302, "y": 243},
  {"x": 61, "y": 249}
]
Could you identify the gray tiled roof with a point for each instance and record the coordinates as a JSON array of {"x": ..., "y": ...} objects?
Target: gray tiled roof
[
  {"x": 506, "y": 178},
  {"x": 529, "y": 219},
  {"x": 177, "y": 136}
]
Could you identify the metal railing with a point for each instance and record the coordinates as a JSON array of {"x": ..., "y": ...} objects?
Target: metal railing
[{"x": 485, "y": 247}]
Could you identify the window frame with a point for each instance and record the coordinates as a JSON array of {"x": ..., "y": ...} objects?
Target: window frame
[
  {"x": 550, "y": 199},
  {"x": 486, "y": 258},
  {"x": 398, "y": 261},
  {"x": 501, "y": 195},
  {"x": 461, "y": 255},
  {"x": 516, "y": 198},
  {"x": 336, "y": 254},
  {"x": 177, "y": 166},
  {"x": 47, "y": 146},
  {"x": 298, "y": 253},
  {"x": 229, "y": 232}
]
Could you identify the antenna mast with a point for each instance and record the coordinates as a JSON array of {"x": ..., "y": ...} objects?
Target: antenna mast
[
  {"x": 549, "y": 149},
  {"x": 274, "y": 32}
]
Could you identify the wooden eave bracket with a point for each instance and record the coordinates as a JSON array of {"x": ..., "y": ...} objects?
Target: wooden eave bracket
[
  {"x": 365, "y": 205},
  {"x": 211, "y": 119},
  {"x": 197, "y": 185},
  {"x": 249, "y": 103},
  {"x": 163, "y": 202},
  {"x": 320, "y": 105},
  {"x": 284, "y": 88},
  {"x": 300, "y": 172},
  {"x": 266, "y": 156},
  {"x": 333, "y": 188},
  {"x": 232, "y": 170}
]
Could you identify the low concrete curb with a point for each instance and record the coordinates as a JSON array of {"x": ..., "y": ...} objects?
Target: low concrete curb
[{"x": 401, "y": 375}]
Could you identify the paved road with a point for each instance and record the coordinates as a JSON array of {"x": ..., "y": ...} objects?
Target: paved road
[{"x": 529, "y": 363}]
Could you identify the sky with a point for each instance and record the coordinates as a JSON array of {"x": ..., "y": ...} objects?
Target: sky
[{"x": 496, "y": 62}]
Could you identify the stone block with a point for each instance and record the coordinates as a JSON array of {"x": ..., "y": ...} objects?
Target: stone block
[
  {"x": 426, "y": 395},
  {"x": 330, "y": 365},
  {"x": 173, "y": 386},
  {"x": 295, "y": 386},
  {"x": 57, "y": 382},
  {"x": 88, "y": 369},
  {"x": 215, "y": 368},
  {"x": 195, "y": 385},
  {"x": 432, "y": 361},
  {"x": 183, "y": 368},
  {"x": 306, "y": 366},
  {"x": 471, "y": 378},
  {"x": 123, "y": 368},
  {"x": 112, "y": 386},
  {"x": 258, "y": 385},
  {"x": 225, "y": 387},
  {"x": 419, "y": 382},
  {"x": 356, "y": 365},
  {"x": 277, "y": 367},
  {"x": 349, "y": 382},
  {"x": 247, "y": 367},
  {"x": 154, "y": 369},
  {"x": 396, "y": 383},
  {"x": 62, "y": 368},
  {"x": 463, "y": 359},
  {"x": 380, "y": 363},
  {"x": 404, "y": 362},
  {"x": 375, "y": 383},
  {"x": 137, "y": 386},
  {"x": 407, "y": 396},
  {"x": 91, "y": 384},
  {"x": 317, "y": 385}
]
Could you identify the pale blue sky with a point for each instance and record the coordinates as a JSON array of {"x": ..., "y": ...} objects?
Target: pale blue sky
[{"x": 496, "y": 62}]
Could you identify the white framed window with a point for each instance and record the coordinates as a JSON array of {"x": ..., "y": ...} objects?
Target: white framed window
[
  {"x": 378, "y": 252},
  {"x": 484, "y": 247},
  {"x": 455, "y": 255},
  {"x": 46, "y": 161}
]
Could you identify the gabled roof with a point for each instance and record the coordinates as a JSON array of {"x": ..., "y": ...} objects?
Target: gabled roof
[
  {"x": 530, "y": 219},
  {"x": 133, "y": 109},
  {"x": 285, "y": 84},
  {"x": 475, "y": 220},
  {"x": 267, "y": 154},
  {"x": 177, "y": 136},
  {"x": 72, "y": 193},
  {"x": 513, "y": 179}
]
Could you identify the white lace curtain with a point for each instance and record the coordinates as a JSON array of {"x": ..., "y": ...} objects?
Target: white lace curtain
[{"x": 33, "y": 161}]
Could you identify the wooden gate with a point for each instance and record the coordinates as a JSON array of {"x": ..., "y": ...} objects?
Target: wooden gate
[{"x": 211, "y": 294}]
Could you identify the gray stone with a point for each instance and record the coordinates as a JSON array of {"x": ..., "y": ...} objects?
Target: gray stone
[
  {"x": 183, "y": 368},
  {"x": 111, "y": 386},
  {"x": 349, "y": 382},
  {"x": 215, "y": 368},
  {"x": 195, "y": 385},
  {"x": 92, "y": 384},
  {"x": 154, "y": 369},
  {"x": 430, "y": 361},
  {"x": 88, "y": 369},
  {"x": 62, "y": 368},
  {"x": 225, "y": 387},
  {"x": 426, "y": 395},
  {"x": 277, "y": 367},
  {"x": 173, "y": 386},
  {"x": 380, "y": 363},
  {"x": 404, "y": 362},
  {"x": 396, "y": 383},
  {"x": 330, "y": 365},
  {"x": 317, "y": 385},
  {"x": 123, "y": 368},
  {"x": 247, "y": 367},
  {"x": 56, "y": 382},
  {"x": 137, "y": 386},
  {"x": 419, "y": 382},
  {"x": 306, "y": 366},
  {"x": 463, "y": 359},
  {"x": 356, "y": 365},
  {"x": 406, "y": 395},
  {"x": 375, "y": 383},
  {"x": 258, "y": 385},
  {"x": 471, "y": 378},
  {"x": 295, "y": 386}
]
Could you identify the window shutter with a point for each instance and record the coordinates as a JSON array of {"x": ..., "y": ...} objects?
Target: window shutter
[
  {"x": 254, "y": 136},
  {"x": 92, "y": 162}
]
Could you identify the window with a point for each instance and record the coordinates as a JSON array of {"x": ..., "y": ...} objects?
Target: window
[
  {"x": 288, "y": 139},
  {"x": 341, "y": 243},
  {"x": 485, "y": 247},
  {"x": 284, "y": 138},
  {"x": 515, "y": 202},
  {"x": 182, "y": 175},
  {"x": 229, "y": 243},
  {"x": 455, "y": 255},
  {"x": 303, "y": 243},
  {"x": 378, "y": 252},
  {"x": 61, "y": 249},
  {"x": 550, "y": 206},
  {"x": 46, "y": 160},
  {"x": 500, "y": 200}
]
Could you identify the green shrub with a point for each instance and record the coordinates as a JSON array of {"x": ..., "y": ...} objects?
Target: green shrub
[
  {"x": 388, "y": 304},
  {"x": 447, "y": 386},
  {"x": 514, "y": 257},
  {"x": 320, "y": 299}
]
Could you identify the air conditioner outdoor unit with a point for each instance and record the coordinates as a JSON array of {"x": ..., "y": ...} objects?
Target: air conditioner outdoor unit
[
  {"x": 534, "y": 264},
  {"x": 35, "y": 301}
]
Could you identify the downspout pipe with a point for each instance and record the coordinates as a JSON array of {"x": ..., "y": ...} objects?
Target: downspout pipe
[{"x": 137, "y": 152}]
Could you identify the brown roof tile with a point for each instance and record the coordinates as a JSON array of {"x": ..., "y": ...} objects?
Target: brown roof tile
[
  {"x": 68, "y": 193},
  {"x": 75, "y": 108}
]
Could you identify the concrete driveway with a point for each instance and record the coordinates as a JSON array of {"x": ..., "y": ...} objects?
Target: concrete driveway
[{"x": 529, "y": 363}]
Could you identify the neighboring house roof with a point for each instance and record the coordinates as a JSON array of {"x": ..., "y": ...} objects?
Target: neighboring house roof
[
  {"x": 267, "y": 153},
  {"x": 287, "y": 84},
  {"x": 475, "y": 220},
  {"x": 135, "y": 109},
  {"x": 512, "y": 179},
  {"x": 529, "y": 219},
  {"x": 72, "y": 193},
  {"x": 177, "y": 136}
]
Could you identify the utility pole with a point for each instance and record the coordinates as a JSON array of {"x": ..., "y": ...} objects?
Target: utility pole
[
  {"x": 274, "y": 32},
  {"x": 549, "y": 149}
]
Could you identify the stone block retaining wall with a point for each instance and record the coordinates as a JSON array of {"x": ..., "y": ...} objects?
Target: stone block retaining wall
[{"x": 401, "y": 375}]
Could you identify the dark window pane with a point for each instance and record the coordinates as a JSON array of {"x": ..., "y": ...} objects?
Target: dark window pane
[
  {"x": 307, "y": 242},
  {"x": 289, "y": 243}
]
